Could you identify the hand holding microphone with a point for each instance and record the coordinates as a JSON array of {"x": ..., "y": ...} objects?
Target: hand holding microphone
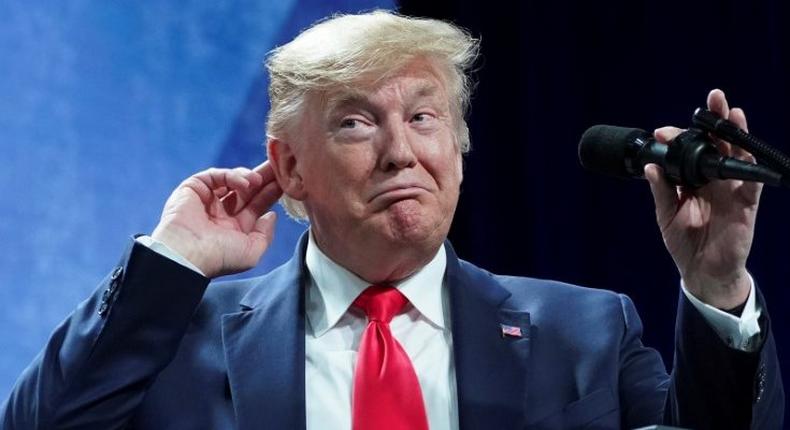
[
  {"x": 707, "y": 224},
  {"x": 689, "y": 159}
]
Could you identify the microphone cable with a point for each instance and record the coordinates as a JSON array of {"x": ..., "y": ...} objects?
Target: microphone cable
[{"x": 724, "y": 129}]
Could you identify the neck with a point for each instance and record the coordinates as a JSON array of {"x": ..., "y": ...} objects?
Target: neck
[{"x": 378, "y": 263}]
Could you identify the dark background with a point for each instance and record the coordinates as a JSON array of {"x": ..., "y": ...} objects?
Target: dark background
[
  {"x": 550, "y": 70},
  {"x": 106, "y": 106}
]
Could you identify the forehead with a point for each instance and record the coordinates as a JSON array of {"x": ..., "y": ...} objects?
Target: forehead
[{"x": 416, "y": 81}]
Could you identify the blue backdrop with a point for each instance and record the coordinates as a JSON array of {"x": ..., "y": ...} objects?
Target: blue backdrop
[{"x": 104, "y": 108}]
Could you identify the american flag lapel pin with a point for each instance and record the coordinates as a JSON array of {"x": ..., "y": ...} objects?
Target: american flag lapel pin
[{"x": 511, "y": 331}]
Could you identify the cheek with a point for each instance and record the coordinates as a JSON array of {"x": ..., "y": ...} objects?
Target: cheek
[
  {"x": 444, "y": 162},
  {"x": 344, "y": 172},
  {"x": 354, "y": 164}
]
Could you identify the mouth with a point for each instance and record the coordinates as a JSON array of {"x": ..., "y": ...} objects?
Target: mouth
[{"x": 394, "y": 194}]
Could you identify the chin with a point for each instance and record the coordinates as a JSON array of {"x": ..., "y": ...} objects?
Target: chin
[{"x": 410, "y": 223}]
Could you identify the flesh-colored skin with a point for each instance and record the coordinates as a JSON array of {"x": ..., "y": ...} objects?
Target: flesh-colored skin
[
  {"x": 379, "y": 173},
  {"x": 219, "y": 219},
  {"x": 709, "y": 231}
]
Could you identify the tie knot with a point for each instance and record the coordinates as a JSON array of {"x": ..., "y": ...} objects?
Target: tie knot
[{"x": 380, "y": 303}]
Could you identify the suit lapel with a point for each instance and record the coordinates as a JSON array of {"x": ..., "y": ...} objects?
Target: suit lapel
[
  {"x": 491, "y": 369},
  {"x": 264, "y": 350}
]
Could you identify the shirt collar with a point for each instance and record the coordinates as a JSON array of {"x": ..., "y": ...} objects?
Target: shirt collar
[{"x": 334, "y": 288}]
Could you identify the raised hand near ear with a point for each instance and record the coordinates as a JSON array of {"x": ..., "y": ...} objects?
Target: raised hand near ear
[
  {"x": 709, "y": 230},
  {"x": 220, "y": 219}
]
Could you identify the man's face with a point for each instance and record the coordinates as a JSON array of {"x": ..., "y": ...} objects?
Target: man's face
[{"x": 380, "y": 166}]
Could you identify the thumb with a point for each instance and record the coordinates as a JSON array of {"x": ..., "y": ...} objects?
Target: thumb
[
  {"x": 262, "y": 233},
  {"x": 665, "y": 195}
]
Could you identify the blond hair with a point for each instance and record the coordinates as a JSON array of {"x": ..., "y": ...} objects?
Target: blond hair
[{"x": 344, "y": 50}]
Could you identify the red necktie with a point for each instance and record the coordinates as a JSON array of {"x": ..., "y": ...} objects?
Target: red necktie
[{"x": 387, "y": 395}]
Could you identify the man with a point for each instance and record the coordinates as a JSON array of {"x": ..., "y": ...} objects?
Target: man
[{"x": 375, "y": 323}]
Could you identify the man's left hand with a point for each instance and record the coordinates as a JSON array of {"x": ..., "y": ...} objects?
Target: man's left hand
[{"x": 709, "y": 230}]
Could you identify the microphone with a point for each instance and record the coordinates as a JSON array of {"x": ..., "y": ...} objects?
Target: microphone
[{"x": 690, "y": 159}]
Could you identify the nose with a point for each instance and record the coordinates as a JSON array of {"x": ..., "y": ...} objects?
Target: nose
[{"x": 397, "y": 151}]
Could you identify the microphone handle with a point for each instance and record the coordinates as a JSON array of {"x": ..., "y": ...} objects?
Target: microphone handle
[
  {"x": 726, "y": 130},
  {"x": 692, "y": 161},
  {"x": 732, "y": 168}
]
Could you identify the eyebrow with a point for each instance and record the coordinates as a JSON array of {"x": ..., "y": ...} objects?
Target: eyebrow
[
  {"x": 347, "y": 98},
  {"x": 353, "y": 97}
]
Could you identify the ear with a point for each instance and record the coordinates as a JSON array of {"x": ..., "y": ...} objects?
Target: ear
[
  {"x": 459, "y": 163},
  {"x": 460, "y": 166},
  {"x": 286, "y": 167}
]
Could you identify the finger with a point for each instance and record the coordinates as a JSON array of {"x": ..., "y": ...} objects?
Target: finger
[
  {"x": 221, "y": 192},
  {"x": 253, "y": 178},
  {"x": 750, "y": 191},
  {"x": 259, "y": 204},
  {"x": 236, "y": 200},
  {"x": 261, "y": 167},
  {"x": 717, "y": 103},
  {"x": 665, "y": 195},
  {"x": 234, "y": 203},
  {"x": 666, "y": 134},
  {"x": 262, "y": 235},
  {"x": 725, "y": 148},
  {"x": 230, "y": 186},
  {"x": 258, "y": 177},
  {"x": 266, "y": 171},
  {"x": 215, "y": 178},
  {"x": 738, "y": 117}
]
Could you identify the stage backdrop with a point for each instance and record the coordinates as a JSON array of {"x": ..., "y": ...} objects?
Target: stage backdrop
[
  {"x": 549, "y": 71},
  {"x": 104, "y": 108}
]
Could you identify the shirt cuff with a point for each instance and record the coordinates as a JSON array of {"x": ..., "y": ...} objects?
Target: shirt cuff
[
  {"x": 740, "y": 333},
  {"x": 164, "y": 250}
]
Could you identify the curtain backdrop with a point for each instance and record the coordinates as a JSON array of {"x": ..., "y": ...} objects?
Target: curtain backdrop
[
  {"x": 550, "y": 70},
  {"x": 104, "y": 108}
]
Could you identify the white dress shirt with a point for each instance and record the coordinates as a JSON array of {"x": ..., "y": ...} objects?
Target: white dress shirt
[
  {"x": 333, "y": 331},
  {"x": 738, "y": 332}
]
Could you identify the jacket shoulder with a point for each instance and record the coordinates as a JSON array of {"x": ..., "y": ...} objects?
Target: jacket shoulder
[
  {"x": 545, "y": 299},
  {"x": 223, "y": 297},
  {"x": 524, "y": 288}
]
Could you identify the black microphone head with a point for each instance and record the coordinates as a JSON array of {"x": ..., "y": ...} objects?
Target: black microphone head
[{"x": 602, "y": 148}]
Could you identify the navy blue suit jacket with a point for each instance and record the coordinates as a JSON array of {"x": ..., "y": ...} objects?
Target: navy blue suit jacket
[{"x": 156, "y": 347}]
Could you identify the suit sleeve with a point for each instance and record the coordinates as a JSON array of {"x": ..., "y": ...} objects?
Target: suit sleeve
[
  {"x": 98, "y": 364},
  {"x": 715, "y": 386},
  {"x": 643, "y": 379}
]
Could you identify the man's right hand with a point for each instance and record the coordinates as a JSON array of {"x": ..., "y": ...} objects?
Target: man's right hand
[{"x": 220, "y": 219}]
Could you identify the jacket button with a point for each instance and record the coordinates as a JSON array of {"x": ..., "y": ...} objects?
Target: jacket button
[
  {"x": 760, "y": 387},
  {"x": 103, "y": 309},
  {"x": 116, "y": 273},
  {"x": 113, "y": 286}
]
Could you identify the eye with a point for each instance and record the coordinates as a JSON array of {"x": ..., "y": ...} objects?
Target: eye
[
  {"x": 349, "y": 123},
  {"x": 421, "y": 117}
]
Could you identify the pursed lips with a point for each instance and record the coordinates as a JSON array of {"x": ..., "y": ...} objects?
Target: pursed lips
[{"x": 400, "y": 191}]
